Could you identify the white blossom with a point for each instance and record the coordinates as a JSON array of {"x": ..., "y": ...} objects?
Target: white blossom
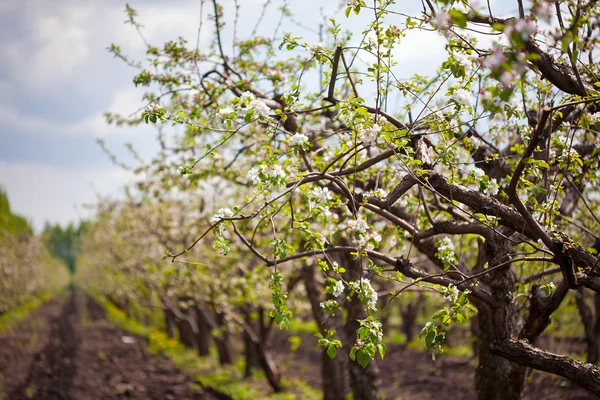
[
  {"x": 595, "y": 118},
  {"x": 253, "y": 176},
  {"x": 451, "y": 294},
  {"x": 477, "y": 174},
  {"x": 277, "y": 171},
  {"x": 464, "y": 62},
  {"x": 462, "y": 96},
  {"x": 338, "y": 288},
  {"x": 298, "y": 139},
  {"x": 493, "y": 187},
  {"x": 222, "y": 213},
  {"x": 225, "y": 111},
  {"x": 445, "y": 244},
  {"x": 441, "y": 21},
  {"x": 260, "y": 108},
  {"x": 368, "y": 136},
  {"x": 317, "y": 47},
  {"x": 357, "y": 225},
  {"x": 368, "y": 292},
  {"x": 247, "y": 97},
  {"x": 321, "y": 194}
]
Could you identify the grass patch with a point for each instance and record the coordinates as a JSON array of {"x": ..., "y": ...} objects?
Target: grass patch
[
  {"x": 207, "y": 370},
  {"x": 11, "y": 318}
]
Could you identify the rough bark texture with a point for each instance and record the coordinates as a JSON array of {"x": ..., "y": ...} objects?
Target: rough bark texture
[
  {"x": 584, "y": 374},
  {"x": 250, "y": 348},
  {"x": 332, "y": 370},
  {"x": 497, "y": 378},
  {"x": 202, "y": 334},
  {"x": 222, "y": 341},
  {"x": 410, "y": 312},
  {"x": 364, "y": 382},
  {"x": 186, "y": 333},
  {"x": 591, "y": 324},
  {"x": 170, "y": 323}
]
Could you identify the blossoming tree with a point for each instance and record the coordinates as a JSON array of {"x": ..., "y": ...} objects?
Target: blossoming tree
[{"x": 479, "y": 182}]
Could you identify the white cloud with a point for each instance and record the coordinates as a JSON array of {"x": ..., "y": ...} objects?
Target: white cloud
[
  {"x": 56, "y": 45},
  {"x": 38, "y": 191},
  {"x": 125, "y": 101}
]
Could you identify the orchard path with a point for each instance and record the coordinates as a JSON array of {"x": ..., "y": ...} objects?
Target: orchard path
[{"x": 68, "y": 350}]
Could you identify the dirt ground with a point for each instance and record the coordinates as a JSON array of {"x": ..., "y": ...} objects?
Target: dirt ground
[
  {"x": 68, "y": 350},
  {"x": 413, "y": 375}
]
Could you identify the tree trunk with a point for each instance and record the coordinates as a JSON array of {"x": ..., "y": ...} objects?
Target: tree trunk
[
  {"x": 591, "y": 324},
  {"x": 410, "y": 312},
  {"x": 203, "y": 334},
  {"x": 332, "y": 370},
  {"x": 497, "y": 378},
  {"x": 250, "y": 348},
  {"x": 363, "y": 381},
  {"x": 222, "y": 340},
  {"x": 186, "y": 333},
  {"x": 170, "y": 323},
  {"x": 270, "y": 369},
  {"x": 493, "y": 378}
]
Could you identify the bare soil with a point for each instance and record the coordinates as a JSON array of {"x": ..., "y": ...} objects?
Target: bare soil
[
  {"x": 413, "y": 375},
  {"x": 68, "y": 350}
]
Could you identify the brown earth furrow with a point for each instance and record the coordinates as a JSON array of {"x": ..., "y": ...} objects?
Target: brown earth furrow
[{"x": 91, "y": 359}]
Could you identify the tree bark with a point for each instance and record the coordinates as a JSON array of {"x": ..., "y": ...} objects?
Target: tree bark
[
  {"x": 497, "y": 378},
  {"x": 203, "y": 334},
  {"x": 250, "y": 348},
  {"x": 186, "y": 333},
  {"x": 409, "y": 312},
  {"x": 591, "y": 323},
  {"x": 222, "y": 340},
  {"x": 363, "y": 381},
  {"x": 332, "y": 370},
  {"x": 584, "y": 374},
  {"x": 170, "y": 323}
]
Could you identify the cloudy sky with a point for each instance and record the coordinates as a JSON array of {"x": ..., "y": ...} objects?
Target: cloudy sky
[{"x": 57, "y": 80}]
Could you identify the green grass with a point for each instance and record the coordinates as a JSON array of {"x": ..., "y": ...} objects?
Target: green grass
[
  {"x": 11, "y": 318},
  {"x": 207, "y": 370}
]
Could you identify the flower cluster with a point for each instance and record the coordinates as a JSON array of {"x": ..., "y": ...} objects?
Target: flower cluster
[
  {"x": 298, "y": 139},
  {"x": 493, "y": 187},
  {"x": 464, "y": 61},
  {"x": 365, "y": 292},
  {"x": 245, "y": 106},
  {"x": 222, "y": 213},
  {"x": 368, "y": 136},
  {"x": 477, "y": 174},
  {"x": 523, "y": 29},
  {"x": 358, "y": 229},
  {"x": 441, "y": 21},
  {"x": 317, "y": 47},
  {"x": 462, "y": 96},
  {"x": 451, "y": 293},
  {"x": 543, "y": 10},
  {"x": 320, "y": 195},
  {"x": 330, "y": 306},
  {"x": 263, "y": 172},
  {"x": 338, "y": 288},
  {"x": 445, "y": 252}
]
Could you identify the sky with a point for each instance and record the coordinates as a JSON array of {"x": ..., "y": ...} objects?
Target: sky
[{"x": 57, "y": 79}]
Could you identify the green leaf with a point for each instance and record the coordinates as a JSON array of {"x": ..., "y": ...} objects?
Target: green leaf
[
  {"x": 363, "y": 359},
  {"x": 331, "y": 351}
]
